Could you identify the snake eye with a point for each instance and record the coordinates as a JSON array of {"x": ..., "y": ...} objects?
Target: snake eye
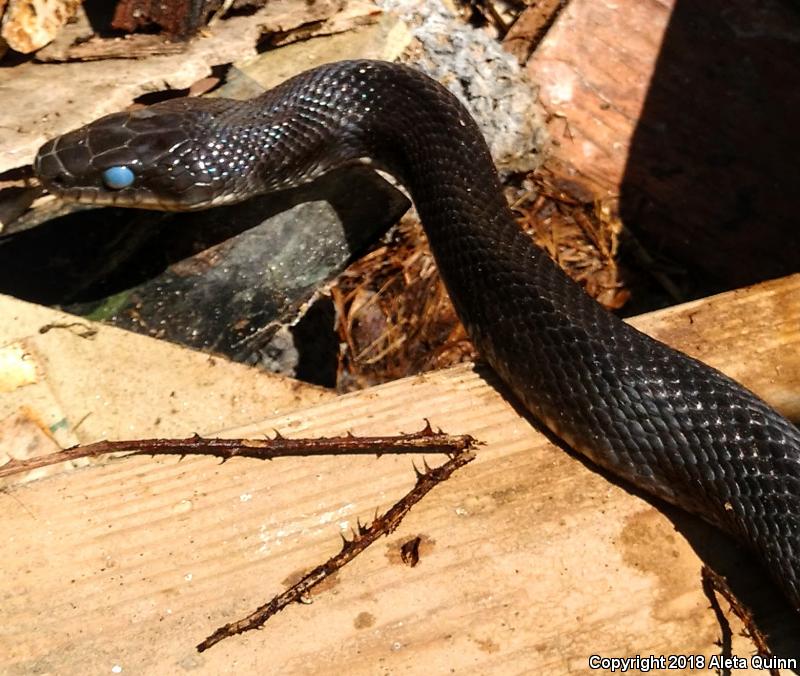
[{"x": 117, "y": 178}]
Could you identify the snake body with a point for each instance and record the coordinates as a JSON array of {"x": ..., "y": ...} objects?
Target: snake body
[{"x": 667, "y": 423}]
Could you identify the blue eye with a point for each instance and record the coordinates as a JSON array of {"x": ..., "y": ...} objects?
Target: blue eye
[{"x": 117, "y": 178}]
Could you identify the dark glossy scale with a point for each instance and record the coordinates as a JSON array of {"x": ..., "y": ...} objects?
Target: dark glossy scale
[{"x": 669, "y": 424}]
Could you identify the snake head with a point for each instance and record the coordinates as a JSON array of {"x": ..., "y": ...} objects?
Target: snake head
[{"x": 159, "y": 157}]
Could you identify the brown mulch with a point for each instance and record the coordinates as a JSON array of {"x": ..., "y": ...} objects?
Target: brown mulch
[{"x": 394, "y": 317}]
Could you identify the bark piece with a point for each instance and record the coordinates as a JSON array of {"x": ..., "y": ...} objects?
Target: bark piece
[
  {"x": 176, "y": 18},
  {"x": 530, "y": 28}
]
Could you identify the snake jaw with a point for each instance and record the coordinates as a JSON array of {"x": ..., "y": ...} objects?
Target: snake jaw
[{"x": 131, "y": 199}]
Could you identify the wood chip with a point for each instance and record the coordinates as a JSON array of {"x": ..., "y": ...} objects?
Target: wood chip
[
  {"x": 31, "y": 24},
  {"x": 530, "y": 27}
]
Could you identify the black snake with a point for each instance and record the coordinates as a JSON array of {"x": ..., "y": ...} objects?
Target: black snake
[{"x": 656, "y": 417}]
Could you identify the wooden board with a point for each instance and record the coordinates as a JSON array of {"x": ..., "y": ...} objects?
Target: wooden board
[
  {"x": 66, "y": 380},
  {"x": 531, "y": 562},
  {"x": 685, "y": 113}
]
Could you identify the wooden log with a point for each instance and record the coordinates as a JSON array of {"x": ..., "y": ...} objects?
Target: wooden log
[{"x": 530, "y": 561}]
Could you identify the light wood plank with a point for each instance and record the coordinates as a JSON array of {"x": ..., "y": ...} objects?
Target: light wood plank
[{"x": 531, "y": 562}]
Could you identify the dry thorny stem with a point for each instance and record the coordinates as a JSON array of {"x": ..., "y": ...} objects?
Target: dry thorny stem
[
  {"x": 714, "y": 582},
  {"x": 458, "y": 448},
  {"x": 363, "y": 537},
  {"x": 424, "y": 441}
]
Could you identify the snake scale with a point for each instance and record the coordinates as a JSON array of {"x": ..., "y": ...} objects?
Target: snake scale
[{"x": 667, "y": 423}]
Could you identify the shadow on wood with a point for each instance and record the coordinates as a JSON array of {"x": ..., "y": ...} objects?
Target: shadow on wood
[{"x": 711, "y": 174}]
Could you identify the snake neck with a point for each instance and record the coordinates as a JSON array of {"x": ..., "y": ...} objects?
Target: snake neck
[{"x": 418, "y": 131}]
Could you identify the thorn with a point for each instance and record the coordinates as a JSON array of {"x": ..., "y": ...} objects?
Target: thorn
[
  {"x": 349, "y": 435},
  {"x": 278, "y": 435},
  {"x": 426, "y": 465},
  {"x": 196, "y": 437},
  {"x": 419, "y": 474},
  {"x": 427, "y": 431}
]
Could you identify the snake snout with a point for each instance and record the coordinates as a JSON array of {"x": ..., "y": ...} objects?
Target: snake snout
[{"x": 67, "y": 166}]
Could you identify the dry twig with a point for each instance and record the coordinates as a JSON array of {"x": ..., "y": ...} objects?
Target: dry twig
[
  {"x": 424, "y": 441},
  {"x": 714, "y": 582},
  {"x": 362, "y": 538},
  {"x": 459, "y": 448}
]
